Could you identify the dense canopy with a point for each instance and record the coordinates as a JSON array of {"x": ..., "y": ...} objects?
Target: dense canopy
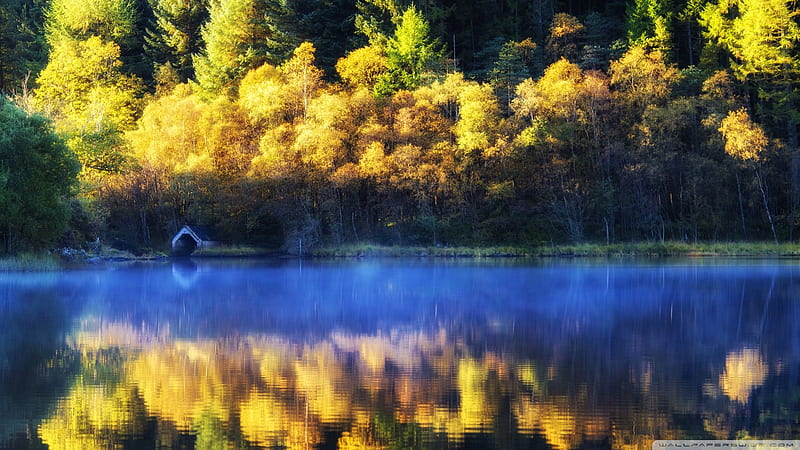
[{"x": 433, "y": 122}]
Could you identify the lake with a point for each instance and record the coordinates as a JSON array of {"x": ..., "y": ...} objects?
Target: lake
[{"x": 400, "y": 353}]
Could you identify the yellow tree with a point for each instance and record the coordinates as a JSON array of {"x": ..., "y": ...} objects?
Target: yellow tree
[
  {"x": 762, "y": 40},
  {"x": 641, "y": 78},
  {"x": 303, "y": 79},
  {"x": 746, "y": 141},
  {"x": 552, "y": 107},
  {"x": 262, "y": 96},
  {"x": 90, "y": 100},
  {"x": 362, "y": 67},
  {"x": 168, "y": 135}
]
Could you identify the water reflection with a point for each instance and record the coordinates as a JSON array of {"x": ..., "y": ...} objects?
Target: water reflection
[
  {"x": 744, "y": 371},
  {"x": 416, "y": 355},
  {"x": 33, "y": 367}
]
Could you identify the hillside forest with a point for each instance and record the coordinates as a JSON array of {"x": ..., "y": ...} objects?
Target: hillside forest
[{"x": 298, "y": 123}]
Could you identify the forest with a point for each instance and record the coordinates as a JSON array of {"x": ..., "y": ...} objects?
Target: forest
[{"x": 289, "y": 124}]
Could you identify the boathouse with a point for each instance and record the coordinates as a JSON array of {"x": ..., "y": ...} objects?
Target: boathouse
[{"x": 190, "y": 238}]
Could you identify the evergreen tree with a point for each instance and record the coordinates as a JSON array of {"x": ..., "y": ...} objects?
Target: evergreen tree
[
  {"x": 239, "y": 35},
  {"x": 21, "y": 45},
  {"x": 173, "y": 35},
  {"x": 600, "y": 31},
  {"x": 510, "y": 70},
  {"x": 410, "y": 53},
  {"x": 376, "y": 19},
  {"x": 37, "y": 176},
  {"x": 648, "y": 24},
  {"x": 328, "y": 24}
]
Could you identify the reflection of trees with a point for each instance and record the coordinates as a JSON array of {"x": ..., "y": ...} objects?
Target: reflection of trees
[
  {"x": 744, "y": 371},
  {"x": 34, "y": 366},
  {"x": 93, "y": 416},
  {"x": 395, "y": 390}
]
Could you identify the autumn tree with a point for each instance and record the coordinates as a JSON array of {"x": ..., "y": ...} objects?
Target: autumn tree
[
  {"x": 90, "y": 100},
  {"x": 116, "y": 21},
  {"x": 362, "y": 67},
  {"x": 562, "y": 113},
  {"x": 641, "y": 78},
  {"x": 762, "y": 40},
  {"x": 746, "y": 141},
  {"x": 303, "y": 78},
  {"x": 564, "y": 38},
  {"x": 111, "y": 20}
]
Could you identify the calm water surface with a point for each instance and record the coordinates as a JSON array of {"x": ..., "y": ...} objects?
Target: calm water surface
[{"x": 399, "y": 354}]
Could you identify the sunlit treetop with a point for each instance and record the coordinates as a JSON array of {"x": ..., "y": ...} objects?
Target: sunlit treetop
[
  {"x": 744, "y": 140},
  {"x": 762, "y": 36},
  {"x": 111, "y": 20}
]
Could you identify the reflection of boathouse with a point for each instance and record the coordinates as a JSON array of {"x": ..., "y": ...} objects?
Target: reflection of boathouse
[{"x": 190, "y": 238}]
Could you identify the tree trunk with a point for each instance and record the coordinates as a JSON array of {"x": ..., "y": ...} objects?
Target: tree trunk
[
  {"x": 766, "y": 204},
  {"x": 741, "y": 204}
]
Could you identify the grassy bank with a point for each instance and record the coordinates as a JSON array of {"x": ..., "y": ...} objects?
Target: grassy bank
[
  {"x": 30, "y": 262},
  {"x": 233, "y": 251},
  {"x": 640, "y": 249}
]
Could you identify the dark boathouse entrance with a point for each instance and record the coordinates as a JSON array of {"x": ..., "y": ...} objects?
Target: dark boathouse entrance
[{"x": 190, "y": 238}]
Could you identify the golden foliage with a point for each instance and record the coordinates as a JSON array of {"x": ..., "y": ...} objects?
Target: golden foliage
[
  {"x": 643, "y": 77},
  {"x": 362, "y": 67},
  {"x": 744, "y": 140}
]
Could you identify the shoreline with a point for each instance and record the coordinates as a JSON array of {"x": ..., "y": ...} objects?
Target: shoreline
[
  {"x": 59, "y": 260},
  {"x": 624, "y": 250}
]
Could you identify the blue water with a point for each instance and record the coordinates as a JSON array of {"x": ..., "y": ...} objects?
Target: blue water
[{"x": 402, "y": 353}]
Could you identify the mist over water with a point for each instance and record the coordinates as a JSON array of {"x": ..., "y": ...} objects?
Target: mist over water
[{"x": 400, "y": 353}]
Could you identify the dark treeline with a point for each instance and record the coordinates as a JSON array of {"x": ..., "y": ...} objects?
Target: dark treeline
[{"x": 471, "y": 122}]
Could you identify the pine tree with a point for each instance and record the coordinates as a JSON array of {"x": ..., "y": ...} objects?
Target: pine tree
[
  {"x": 649, "y": 24},
  {"x": 509, "y": 71},
  {"x": 410, "y": 53},
  {"x": 239, "y": 35},
  {"x": 173, "y": 35},
  {"x": 22, "y": 52}
]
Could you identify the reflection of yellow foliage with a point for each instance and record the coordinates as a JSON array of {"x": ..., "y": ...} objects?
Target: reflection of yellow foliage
[
  {"x": 93, "y": 416},
  {"x": 93, "y": 336},
  {"x": 477, "y": 412},
  {"x": 361, "y": 435},
  {"x": 275, "y": 363},
  {"x": 264, "y": 420},
  {"x": 441, "y": 420},
  {"x": 744, "y": 371},
  {"x": 526, "y": 372},
  {"x": 179, "y": 383},
  {"x": 284, "y": 395},
  {"x": 319, "y": 377},
  {"x": 555, "y": 422}
]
